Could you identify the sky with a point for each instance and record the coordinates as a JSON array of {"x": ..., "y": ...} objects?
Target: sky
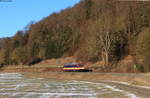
[{"x": 17, "y": 14}]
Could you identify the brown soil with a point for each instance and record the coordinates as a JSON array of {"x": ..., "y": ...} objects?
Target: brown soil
[
  {"x": 28, "y": 69},
  {"x": 58, "y": 61}
]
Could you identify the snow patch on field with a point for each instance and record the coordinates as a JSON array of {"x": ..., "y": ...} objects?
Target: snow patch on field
[
  {"x": 125, "y": 92},
  {"x": 14, "y": 85},
  {"x": 126, "y": 83},
  {"x": 113, "y": 88}
]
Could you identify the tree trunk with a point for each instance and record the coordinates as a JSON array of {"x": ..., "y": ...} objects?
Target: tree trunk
[
  {"x": 103, "y": 58},
  {"x": 106, "y": 58}
]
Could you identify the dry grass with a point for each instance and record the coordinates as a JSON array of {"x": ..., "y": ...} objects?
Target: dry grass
[{"x": 55, "y": 62}]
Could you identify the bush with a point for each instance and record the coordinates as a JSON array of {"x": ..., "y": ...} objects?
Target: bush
[
  {"x": 19, "y": 55},
  {"x": 33, "y": 61},
  {"x": 143, "y": 50}
]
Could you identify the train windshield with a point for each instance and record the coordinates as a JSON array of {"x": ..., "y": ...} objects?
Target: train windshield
[{"x": 73, "y": 65}]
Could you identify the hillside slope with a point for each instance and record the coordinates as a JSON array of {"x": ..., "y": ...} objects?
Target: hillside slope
[{"x": 91, "y": 31}]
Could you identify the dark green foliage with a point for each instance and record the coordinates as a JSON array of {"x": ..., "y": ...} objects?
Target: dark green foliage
[
  {"x": 88, "y": 5},
  {"x": 144, "y": 15}
]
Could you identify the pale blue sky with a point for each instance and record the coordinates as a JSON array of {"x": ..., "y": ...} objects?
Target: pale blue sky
[{"x": 17, "y": 14}]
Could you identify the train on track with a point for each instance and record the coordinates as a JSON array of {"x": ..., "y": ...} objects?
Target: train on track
[{"x": 75, "y": 67}]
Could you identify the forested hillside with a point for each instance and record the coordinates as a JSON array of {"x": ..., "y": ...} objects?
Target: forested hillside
[{"x": 92, "y": 30}]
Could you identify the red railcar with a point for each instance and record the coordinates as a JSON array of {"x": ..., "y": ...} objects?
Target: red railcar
[{"x": 73, "y": 67}]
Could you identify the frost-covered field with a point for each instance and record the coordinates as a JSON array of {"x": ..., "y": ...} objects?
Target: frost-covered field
[{"x": 15, "y": 85}]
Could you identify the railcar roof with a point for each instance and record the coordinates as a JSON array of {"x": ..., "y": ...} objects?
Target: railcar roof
[{"x": 71, "y": 64}]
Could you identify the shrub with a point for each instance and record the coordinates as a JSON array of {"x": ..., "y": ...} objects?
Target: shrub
[{"x": 143, "y": 50}]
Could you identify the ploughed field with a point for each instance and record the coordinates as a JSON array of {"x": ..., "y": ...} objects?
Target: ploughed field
[{"x": 17, "y": 85}]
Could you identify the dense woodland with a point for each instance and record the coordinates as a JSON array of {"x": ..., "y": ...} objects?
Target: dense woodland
[{"x": 92, "y": 30}]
